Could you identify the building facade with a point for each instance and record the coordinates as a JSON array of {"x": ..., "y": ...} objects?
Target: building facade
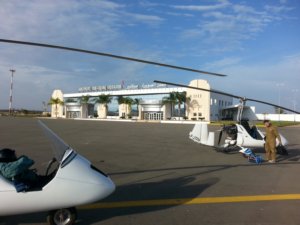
[{"x": 152, "y": 102}]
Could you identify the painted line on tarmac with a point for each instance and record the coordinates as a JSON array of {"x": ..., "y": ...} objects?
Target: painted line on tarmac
[{"x": 191, "y": 201}]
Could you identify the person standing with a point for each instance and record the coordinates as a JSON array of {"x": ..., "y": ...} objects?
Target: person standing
[{"x": 270, "y": 138}]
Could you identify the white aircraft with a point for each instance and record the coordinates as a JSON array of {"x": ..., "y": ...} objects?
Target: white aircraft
[
  {"x": 75, "y": 181},
  {"x": 239, "y": 134}
]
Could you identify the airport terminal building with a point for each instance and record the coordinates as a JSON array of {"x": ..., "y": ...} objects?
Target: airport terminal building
[{"x": 143, "y": 102}]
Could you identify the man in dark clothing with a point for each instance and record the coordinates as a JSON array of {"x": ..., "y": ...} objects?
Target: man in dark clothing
[{"x": 17, "y": 169}]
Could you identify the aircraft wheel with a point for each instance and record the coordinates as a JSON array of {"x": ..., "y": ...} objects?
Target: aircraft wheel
[{"x": 62, "y": 216}]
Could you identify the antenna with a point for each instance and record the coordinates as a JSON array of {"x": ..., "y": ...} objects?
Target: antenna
[{"x": 11, "y": 91}]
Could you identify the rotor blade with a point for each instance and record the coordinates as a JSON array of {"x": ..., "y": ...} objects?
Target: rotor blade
[
  {"x": 227, "y": 94},
  {"x": 111, "y": 55},
  {"x": 201, "y": 89},
  {"x": 271, "y": 104}
]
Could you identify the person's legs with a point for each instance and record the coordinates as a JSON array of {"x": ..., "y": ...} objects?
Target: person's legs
[
  {"x": 268, "y": 152},
  {"x": 273, "y": 151}
]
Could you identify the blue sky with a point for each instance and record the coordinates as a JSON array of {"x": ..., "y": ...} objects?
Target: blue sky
[{"x": 256, "y": 43}]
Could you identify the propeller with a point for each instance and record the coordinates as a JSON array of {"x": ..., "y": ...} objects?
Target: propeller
[
  {"x": 110, "y": 55},
  {"x": 230, "y": 130},
  {"x": 220, "y": 134},
  {"x": 243, "y": 99}
]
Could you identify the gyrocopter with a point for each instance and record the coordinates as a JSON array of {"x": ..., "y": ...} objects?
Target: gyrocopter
[
  {"x": 74, "y": 181},
  {"x": 237, "y": 135}
]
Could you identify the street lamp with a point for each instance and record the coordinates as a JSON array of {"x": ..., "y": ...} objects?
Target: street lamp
[
  {"x": 294, "y": 102},
  {"x": 279, "y": 85},
  {"x": 294, "y": 99},
  {"x": 11, "y": 91}
]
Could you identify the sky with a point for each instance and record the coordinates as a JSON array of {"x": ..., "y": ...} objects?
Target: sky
[{"x": 256, "y": 43}]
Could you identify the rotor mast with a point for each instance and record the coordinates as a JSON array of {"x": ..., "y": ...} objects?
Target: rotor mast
[{"x": 241, "y": 109}]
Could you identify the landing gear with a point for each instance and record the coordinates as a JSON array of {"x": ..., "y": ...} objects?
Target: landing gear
[{"x": 62, "y": 216}]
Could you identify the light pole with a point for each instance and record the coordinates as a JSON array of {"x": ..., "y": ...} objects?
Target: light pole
[
  {"x": 11, "y": 90},
  {"x": 294, "y": 102},
  {"x": 279, "y": 85}
]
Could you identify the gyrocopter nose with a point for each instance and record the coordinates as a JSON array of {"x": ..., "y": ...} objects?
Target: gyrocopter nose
[
  {"x": 107, "y": 186},
  {"x": 105, "y": 183},
  {"x": 81, "y": 176}
]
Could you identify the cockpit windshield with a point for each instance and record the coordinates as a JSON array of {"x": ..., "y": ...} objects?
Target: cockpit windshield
[{"x": 58, "y": 146}]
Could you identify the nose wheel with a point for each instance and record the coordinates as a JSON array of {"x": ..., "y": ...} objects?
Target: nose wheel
[{"x": 62, "y": 216}]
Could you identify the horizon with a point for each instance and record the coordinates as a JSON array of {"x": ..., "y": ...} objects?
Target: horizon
[{"x": 255, "y": 43}]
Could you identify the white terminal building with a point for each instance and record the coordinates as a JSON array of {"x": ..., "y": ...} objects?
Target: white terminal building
[{"x": 153, "y": 103}]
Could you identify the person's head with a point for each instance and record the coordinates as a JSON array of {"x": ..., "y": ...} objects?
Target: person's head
[
  {"x": 7, "y": 155},
  {"x": 267, "y": 123}
]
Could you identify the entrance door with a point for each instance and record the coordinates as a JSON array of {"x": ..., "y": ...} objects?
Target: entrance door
[
  {"x": 75, "y": 114},
  {"x": 153, "y": 115}
]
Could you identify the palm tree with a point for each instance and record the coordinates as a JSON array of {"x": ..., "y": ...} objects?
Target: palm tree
[
  {"x": 137, "y": 102},
  {"x": 84, "y": 99},
  {"x": 185, "y": 101},
  {"x": 171, "y": 99},
  {"x": 56, "y": 102},
  {"x": 121, "y": 99},
  {"x": 181, "y": 98},
  {"x": 104, "y": 100},
  {"x": 128, "y": 101}
]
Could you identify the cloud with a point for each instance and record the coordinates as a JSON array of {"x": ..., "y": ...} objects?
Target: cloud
[
  {"x": 229, "y": 26},
  {"x": 259, "y": 80},
  {"x": 93, "y": 25},
  {"x": 225, "y": 62},
  {"x": 278, "y": 9},
  {"x": 201, "y": 8},
  {"x": 148, "y": 19},
  {"x": 60, "y": 22},
  {"x": 88, "y": 24}
]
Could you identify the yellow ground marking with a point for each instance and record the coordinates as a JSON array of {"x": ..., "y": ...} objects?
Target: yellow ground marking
[{"x": 191, "y": 201}]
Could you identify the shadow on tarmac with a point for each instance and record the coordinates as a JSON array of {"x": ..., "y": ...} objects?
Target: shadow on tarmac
[
  {"x": 165, "y": 189},
  {"x": 284, "y": 160},
  {"x": 292, "y": 158},
  {"x": 183, "y": 187}
]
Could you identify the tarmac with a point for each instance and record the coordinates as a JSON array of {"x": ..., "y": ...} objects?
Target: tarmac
[{"x": 164, "y": 178}]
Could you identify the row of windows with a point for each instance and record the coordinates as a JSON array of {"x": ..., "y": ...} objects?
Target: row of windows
[
  {"x": 197, "y": 96},
  {"x": 199, "y": 114},
  {"x": 222, "y": 103}
]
